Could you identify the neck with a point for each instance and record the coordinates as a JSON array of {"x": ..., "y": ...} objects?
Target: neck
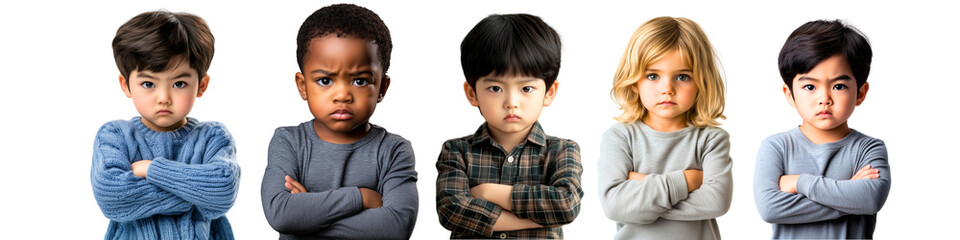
[
  {"x": 819, "y": 136},
  {"x": 156, "y": 128},
  {"x": 331, "y": 136},
  {"x": 509, "y": 140},
  {"x": 666, "y": 124}
]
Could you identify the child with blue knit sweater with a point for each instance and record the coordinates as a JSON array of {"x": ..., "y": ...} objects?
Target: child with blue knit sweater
[{"x": 164, "y": 175}]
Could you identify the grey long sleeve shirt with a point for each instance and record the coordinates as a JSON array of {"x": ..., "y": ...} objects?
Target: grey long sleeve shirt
[
  {"x": 332, "y": 174},
  {"x": 827, "y": 204},
  {"x": 660, "y": 207}
]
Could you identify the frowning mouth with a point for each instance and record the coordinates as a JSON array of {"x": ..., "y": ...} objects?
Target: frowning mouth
[
  {"x": 341, "y": 114},
  {"x": 824, "y": 113},
  {"x": 164, "y": 112},
  {"x": 666, "y": 103},
  {"x": 512, "y": 118}
]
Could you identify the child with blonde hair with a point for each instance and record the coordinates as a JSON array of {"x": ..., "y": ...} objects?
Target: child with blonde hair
[{"x": 665, "y": 169}]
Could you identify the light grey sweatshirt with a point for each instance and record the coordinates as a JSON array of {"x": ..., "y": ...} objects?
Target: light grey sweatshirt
[
  {"x": 332, "y": 174},
  {"x": 827, "y": 204},
  {"x": 660, "y": 207}
]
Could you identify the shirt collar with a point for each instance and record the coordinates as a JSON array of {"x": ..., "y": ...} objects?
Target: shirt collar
[{"x": 536, "y": 135}]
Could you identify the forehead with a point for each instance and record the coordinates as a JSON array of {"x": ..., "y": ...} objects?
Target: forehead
[
  {"x": 331, "y": 50},
  {"x": 178, "y": 66},
  {"x": 831, "y": 67}
]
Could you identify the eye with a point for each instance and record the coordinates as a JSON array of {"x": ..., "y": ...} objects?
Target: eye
[
  {"x": 527, "y": 89},
  {"x": 808, "y": 87},
  {"x": 146, "y": 84},
  {"x": 839, "y": 87},
  {"x": 180, "y": 84},
  {"x": 360, "y": 82},
  {"x": 653, "y": 76},
  {"x": 495, "y": 89},
  {"x": 683, "y": 77},
  {"x": 325, "y": 81}
]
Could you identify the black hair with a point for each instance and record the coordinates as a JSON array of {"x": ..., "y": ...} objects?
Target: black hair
[
  {"x": 345, "y": 20},
  {"x": 817, "y": 40},
  {"x": 511, "y": 43},
  {"x": 152, "y": 39}
]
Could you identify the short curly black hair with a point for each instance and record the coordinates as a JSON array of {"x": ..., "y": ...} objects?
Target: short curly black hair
[{"x": 345, "y": 20}]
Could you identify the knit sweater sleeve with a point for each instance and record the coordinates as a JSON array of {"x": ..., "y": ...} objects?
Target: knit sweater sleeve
[
  {"x": 776, "y": 206},
  {"x": 714, "y": 196},
  {"x": 628, "y": 201},
  {"x": 122, "y": 196},
  {"x": 396, "y": 218},
  {"x": 862, "y": 196},
  {"x": 212, "y": 185},
  {"x": 301, "y": 213}
]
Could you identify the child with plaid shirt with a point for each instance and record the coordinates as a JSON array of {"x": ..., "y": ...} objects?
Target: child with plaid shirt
[{"x": 509, "y": 179}]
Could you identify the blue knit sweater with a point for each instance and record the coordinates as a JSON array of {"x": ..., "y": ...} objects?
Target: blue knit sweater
[{"x": 190, "y": 184}]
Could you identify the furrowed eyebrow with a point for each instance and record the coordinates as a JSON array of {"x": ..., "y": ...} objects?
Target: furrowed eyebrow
[
  {"x": 368, "y": 72},
  {"x": 658, "y": 70},
  {"x": 182, "y": 75},
  {"x": 324, "y": 72},
  {"x": 841, "y": 78}
]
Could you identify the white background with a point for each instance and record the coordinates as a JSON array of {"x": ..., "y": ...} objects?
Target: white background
[{"x": 59, "y": 85}]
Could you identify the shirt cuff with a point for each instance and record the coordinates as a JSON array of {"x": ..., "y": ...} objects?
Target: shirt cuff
[
  {"x": 804, "y": 183},
  {"x": 677, "y": 185}
]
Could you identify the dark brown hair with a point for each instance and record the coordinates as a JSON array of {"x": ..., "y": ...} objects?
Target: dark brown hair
[{"x": 152, "y": 39}]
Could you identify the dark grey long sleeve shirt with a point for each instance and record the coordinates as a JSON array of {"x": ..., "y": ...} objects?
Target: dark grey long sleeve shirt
[
  {"x": 827, "y": 204},
  {"x": 332, "y": 174}
]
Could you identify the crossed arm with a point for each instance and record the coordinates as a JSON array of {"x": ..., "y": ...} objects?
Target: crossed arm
[
  {"x": 129, "y": 191},
  {"x": 791, "y": 199}
]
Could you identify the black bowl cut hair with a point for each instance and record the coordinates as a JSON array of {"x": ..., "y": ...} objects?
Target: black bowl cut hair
[
  {"x": 511, "y": 43},
  {"x": 817, "y": 40},
  {"x": 345, "y": 20},
  {"x": 152, "y": 39}
]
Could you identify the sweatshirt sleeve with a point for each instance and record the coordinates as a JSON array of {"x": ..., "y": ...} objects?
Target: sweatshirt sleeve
[
  {"x": 713, "y": 198},
  {"x": 776, "y": 206},
  {"x": 396, "y": 218},
  {"x": 862, "y": 196},
  {"x": 122, "y": 196},
  {"x": 301, "y": 213},
  {"x": 628, "y": 201},
  {"x": 212, "y": 185},
  {"x": 558, "y": 202},
  {"x": 459, "y": 212}
]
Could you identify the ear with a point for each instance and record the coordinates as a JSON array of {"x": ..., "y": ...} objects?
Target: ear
[
  {"x": 301, "y": 85},
  {"x": 384, "y": 84},
  {"x": 125, "y": 87},
  {"x": 551, "y": 93},
  {"x": 471, "y": 94},
  {"x": 789, "y": 95},
  {"x": 203, "y": 85},
  {"x": 862, "y": 93}
]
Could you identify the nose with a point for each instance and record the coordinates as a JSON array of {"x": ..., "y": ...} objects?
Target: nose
[
  {"x": 667, "y": 87},
  {"x": 512, "y": 101},
  {"x": 163, "y": 96},
  {"x": 341, "y": 93},
  {"x": 824, "y": 98}
]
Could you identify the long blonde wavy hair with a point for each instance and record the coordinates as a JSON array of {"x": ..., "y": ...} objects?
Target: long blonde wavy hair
[{"x": 648, "y": 44}]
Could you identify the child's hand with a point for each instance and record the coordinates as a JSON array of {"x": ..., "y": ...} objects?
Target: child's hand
[
  {"x": 637, "y": 176},
  {"x": 866, "y": 173},
  {"x": 371, "y": 198},
  {"x": 788, "y": 183},
  {"x": 694, "y": 179},
  {"x": 140, "y": 168},
  {"x": 293, "y": 185}
]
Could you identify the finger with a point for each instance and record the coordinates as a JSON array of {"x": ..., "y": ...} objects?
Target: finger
[
  {"x": 298, "y": 186},
  {"x": 288, "y": 186},
  {"x": 873, "y": 176}
]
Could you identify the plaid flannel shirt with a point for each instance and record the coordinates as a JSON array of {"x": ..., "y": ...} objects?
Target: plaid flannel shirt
[{"x": 544, "y": 171}]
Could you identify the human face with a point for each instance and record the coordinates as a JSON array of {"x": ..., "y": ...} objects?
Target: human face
[
  {"x": 165, "y": 98},
  {"x": 342, "y": 83},
  {"x": 825, "y": 96},
  {"x": 509, "y": 103},
  {"x": 667, "y": 91}
]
